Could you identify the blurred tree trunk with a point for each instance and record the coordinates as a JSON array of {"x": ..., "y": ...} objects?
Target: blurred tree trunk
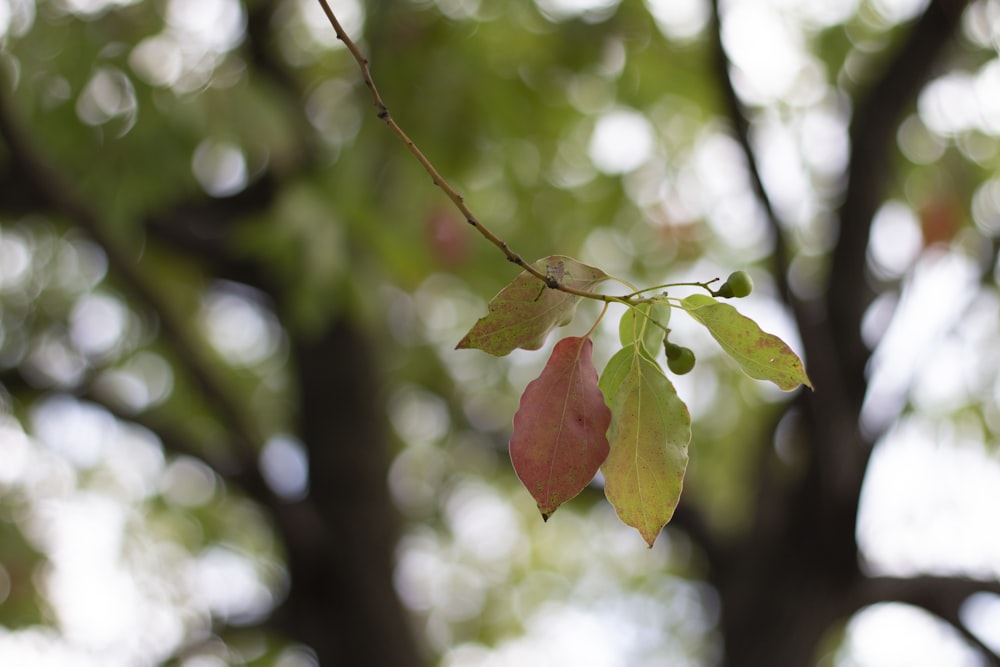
[{"x": 341, "y": 600}]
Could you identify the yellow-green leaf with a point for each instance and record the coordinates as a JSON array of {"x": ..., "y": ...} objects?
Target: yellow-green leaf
[
  {"x": 649, "y": 435},
  {"x": 524, "y": 312},
  {"x": 642, "y": 325},
  {"x": 761, "y": 355}
]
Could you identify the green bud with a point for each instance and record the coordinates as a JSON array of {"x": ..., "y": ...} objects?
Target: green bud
[
  {"x": 739, "y": 284},
  {"x": 680, "y": 360}
]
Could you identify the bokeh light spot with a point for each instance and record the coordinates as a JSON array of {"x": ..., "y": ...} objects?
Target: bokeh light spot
[
  {"x": 188, "y": 482},
  {"x": 895, "y": 239},
  {"x": 98, "y": 324},
  {"x": 220, "y": 167},
  {"x": 621, "y": 142},
  {"x": 680, "y": 19},
  {"x": 589, "y": 10},
  {"x": 285, "y": 466},
  {"x": 109, "y": 94},
  {"x": 238, "y": 325}
]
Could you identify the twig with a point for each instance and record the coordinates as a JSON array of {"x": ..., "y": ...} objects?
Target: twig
[
  {"x": 741, "y": 126},
  {"x": 458, "y": 200}
]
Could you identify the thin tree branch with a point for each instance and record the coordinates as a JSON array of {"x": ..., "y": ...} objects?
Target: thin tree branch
[
  {"x": 940, "y": 596},
  {"x": 201, "y": 227},
  {"x": 18, "y": 195},
  {"x": 878, "y": 112},
  {"x": 741, "y": 127},
  {"x": 829, "y": 474},
  {"x": 62, "y": 199},
  {"x": 872, "y": 132},
  {"x": 457, "y": 199}
]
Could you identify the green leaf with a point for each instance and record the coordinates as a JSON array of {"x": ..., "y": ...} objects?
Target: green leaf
[
  {"x": 524, "y": 312},
  {"x": 649, "y": 436},
  {"x": 642, "y": 326},
  {"x": 559, "y": 438},
  {"x": 761, "y": 355}
]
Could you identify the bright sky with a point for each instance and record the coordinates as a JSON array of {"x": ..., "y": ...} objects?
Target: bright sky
[{"x": 931, "y": 489}]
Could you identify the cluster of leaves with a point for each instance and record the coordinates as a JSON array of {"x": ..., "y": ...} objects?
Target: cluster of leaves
[{"x": 629, "y": 422}]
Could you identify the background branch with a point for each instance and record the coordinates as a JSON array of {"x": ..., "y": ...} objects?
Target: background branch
[
  {"x": 737, "y": 114},
  {"x": 61, "y": 198},
  {"x": 203, "y": 227},
  {"x": 878, "y": 111},
  {"x": 940, "y": 596}
]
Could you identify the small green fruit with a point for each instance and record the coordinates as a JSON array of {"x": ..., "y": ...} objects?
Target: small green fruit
[
  {"x": 739, "y": 284},
  {"x": 680, "y": 360}
]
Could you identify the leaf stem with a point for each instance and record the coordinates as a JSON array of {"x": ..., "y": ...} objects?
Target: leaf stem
[
  {"x": 598, "y": 320},
  {"x": 703, "y": 285},
  {"x": 649, "y": 318},
  {"x": 635, "y": 290}
]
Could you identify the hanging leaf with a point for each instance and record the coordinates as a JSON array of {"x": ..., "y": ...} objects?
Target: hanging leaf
[
  {"x": 761, "y": 355},
  {"x": 642, "y": 326},
  {"x": 649, "y": 436},
  {"x": 524, "y": 312},
  {"x": 559, "y": 439}
]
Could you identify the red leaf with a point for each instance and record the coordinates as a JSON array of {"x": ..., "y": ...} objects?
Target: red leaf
[{"x": 560, "y": 430}]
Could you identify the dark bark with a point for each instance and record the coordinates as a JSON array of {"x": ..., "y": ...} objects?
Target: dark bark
[{"x": 340, "y": 556}]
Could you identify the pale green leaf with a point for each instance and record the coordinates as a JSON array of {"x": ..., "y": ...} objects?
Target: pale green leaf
[
  {"x": 761, "y": 355},
  {"x": 649, "y": 435},
  {"x": 642, "y": 325}
]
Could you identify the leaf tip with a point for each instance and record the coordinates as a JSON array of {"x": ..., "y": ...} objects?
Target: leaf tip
[{"x": 546, "y": 515}]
